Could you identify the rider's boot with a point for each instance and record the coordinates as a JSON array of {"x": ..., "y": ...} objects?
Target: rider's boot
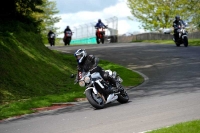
[{"x": 116, "y": 87}]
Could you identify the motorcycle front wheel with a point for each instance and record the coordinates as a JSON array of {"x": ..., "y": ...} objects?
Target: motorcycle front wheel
[
  {"x": 51, "y": 43},
  {"x": 97, "y": 39},
  {"x": 94, "y": 99},
  {"x": 102, "y": 40},
  {"x": 185, "y": 41}
]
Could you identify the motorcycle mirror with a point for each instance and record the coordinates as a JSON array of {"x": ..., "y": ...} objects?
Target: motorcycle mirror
[{"x": 72, "y": 75}]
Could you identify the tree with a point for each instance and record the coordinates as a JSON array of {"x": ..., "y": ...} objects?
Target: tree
[
  {"x": 195, "y": 16},
  {"x": 20, "y": 10},
  {"x": 155, "y": 14},
  {"x": 47, "y": 18}
]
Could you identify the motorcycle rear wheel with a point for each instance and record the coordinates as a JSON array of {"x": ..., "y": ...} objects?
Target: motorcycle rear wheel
[
  {"x": 123, "y": 97},
  {"x": 95, "y": 100}
]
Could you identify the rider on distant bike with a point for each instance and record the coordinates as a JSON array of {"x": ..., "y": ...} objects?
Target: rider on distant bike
[
  {"x": 67, "y": 36},
  {"x": 51, "y": 38},
  {"x": 177, "y": 25},
  {"x": 49, "y": 35},
  {"x": 100, "y": 24}
]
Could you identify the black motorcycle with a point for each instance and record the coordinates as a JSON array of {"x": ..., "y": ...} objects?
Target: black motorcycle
[
  {"x": 52, "y": 40},
  {"x": 67, "y": 38},
  {"x": 182, "y": 37}
]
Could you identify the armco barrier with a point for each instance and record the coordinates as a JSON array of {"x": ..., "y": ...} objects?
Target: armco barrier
[{"x": 91, "y": 40}]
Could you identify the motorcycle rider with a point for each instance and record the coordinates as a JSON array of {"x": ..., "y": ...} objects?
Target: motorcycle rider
[
  {"x": 100, "y": 24},
  {"x": 90, "y": 63},
  {"x": 177, "y": 25},
  {"x": 67, "y": 34},
  {"x": 49, "y": 35}
]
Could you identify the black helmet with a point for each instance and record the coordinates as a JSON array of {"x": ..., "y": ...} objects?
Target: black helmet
[
  {"x": 99, "y": 20},
  {"x": 177, "y": 17},
  {"x": 80, "y": 55}
]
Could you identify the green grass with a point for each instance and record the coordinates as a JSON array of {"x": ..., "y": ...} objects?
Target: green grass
[
  {"x": 185, "y": 127},
  {"x": 192, "y": 42},
  {"x": 69, "y": 93},
  {"x": 33, "y": 76}
]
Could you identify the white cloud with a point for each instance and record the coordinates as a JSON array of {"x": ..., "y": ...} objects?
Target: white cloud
[{"x": 120, "y": 10}]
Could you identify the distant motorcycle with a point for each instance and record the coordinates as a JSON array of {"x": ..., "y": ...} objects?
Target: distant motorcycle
[
  {"x": 100, "y": 35},
  {"x": 183, "y": 38},
  {"x": 96, "y": 89},
  {"x": 52, "y": 39},
  {"x": 67, "y": 38}
]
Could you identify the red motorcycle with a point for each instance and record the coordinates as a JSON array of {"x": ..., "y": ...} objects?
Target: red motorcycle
[{"x": 100, "y": 35}]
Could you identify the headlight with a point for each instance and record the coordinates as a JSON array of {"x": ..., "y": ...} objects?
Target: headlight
[
  {"x": 87, "y": 79},
  {"x": 82, "y": 83}
]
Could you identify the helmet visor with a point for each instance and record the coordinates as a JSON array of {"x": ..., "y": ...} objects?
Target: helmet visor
[{"x": 78, "y": 57}]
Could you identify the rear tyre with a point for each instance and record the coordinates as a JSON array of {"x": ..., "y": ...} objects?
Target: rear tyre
[
  {"x": 95, "y": 100},
  {"x": 185, "y": 41},
  {"x": 123, "y": 97}
]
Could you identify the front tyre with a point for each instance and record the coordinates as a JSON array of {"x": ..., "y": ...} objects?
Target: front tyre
[
  {"x": 94, "y": 99},
  {"x": 177, "y": 44},
  {"x": 102, "y": 40},
  {"x": 123, "y": 97},
  {"x": 185, "y": 41},
  {"x": 97, "y": 39},
  {"x": 51, "y": 43}
]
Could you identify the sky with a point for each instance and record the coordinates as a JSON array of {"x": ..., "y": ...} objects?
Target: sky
[{"x": 79, "y": 12}]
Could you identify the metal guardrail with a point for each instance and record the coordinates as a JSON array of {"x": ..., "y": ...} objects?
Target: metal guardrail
[{"x": 86, "y": 33}]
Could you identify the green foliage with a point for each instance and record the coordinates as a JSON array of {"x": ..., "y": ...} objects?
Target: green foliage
[
  {"x": 155, "y": 14},
  {"x": 27, "y": 7},
  {"x": 195, "y": 16},
  {"x": 28, "y": 68},
  {"x": 39, "y": 13},
  {"x": 20, "y": 10},
  {"x": 47, "y": 18},
  {"x": 185, "y": 127}
]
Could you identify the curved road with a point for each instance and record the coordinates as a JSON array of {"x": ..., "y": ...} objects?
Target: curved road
[{"x": 170, "y": 94}]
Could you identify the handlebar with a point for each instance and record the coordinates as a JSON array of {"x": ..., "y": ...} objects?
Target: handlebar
[{"x": 104, "y": 27}]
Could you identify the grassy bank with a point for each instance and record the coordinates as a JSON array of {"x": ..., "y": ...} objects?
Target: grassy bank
[
  {"x": 33, "y": 76},
  {"x": 192, "y": 42},
  {"x": 185, "y": 127}
]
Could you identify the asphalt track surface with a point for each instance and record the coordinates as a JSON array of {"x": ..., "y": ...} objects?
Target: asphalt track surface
[{"x": 169, "y": 95}]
